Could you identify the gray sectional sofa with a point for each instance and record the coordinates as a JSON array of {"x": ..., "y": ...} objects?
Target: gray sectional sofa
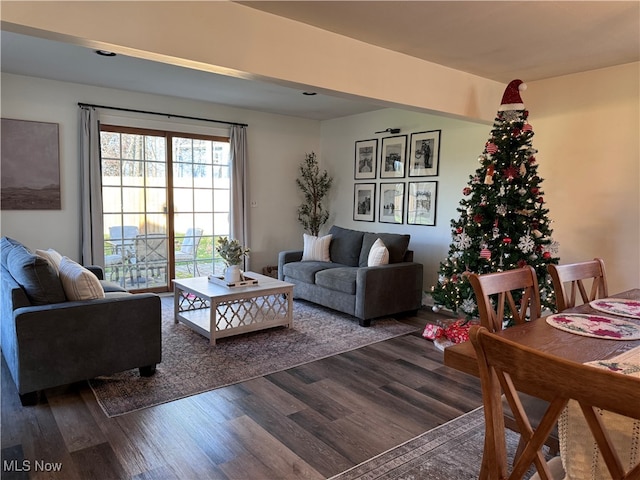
[
  {"x": 49, "y": 341},
  {"x": 348, "y": 285}
]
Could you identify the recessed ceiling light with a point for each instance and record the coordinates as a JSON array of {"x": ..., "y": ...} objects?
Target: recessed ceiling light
[
  {"x": 105, "y": 53},
  {"x": 309, "y": 93}
]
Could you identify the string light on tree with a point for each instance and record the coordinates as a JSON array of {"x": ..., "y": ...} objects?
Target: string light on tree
[{"x": 503, "y": 222}]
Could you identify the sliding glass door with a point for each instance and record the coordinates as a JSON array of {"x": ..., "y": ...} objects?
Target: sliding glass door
[{"x": 165, "y": 199}]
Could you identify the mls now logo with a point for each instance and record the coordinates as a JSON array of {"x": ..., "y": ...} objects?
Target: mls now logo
[{"x": 28, "y": 466}]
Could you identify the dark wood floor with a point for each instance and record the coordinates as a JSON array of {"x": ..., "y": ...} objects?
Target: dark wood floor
[{"x": 311, "y": 422}]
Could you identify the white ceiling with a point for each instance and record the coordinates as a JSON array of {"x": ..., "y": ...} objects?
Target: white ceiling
[{"x": 496, "y": 40}]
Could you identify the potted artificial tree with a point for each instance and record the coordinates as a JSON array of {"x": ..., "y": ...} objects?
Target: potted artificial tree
[{"x": 315, "y": 186}]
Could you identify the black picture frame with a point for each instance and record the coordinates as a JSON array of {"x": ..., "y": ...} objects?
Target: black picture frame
[
  {"x": 424, "y": 156},
  {"x": 366, "y": 159},
  {"x": 364, "y": 201},
  {"x": 393, "y": 156},
  {"x": 391, "y": 202},
  {"x": 422, "y": 203}
]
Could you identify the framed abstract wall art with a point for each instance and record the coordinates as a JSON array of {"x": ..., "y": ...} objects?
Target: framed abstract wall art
[
  {"x": 424, "y": 157},
  {"x": 364, "y": 196},
  {"x": 392, "y": 160},
  {"x": 421, "y": 207},
  {"x": 30, "y": 165},
  {"x": 366, "y": 159}
]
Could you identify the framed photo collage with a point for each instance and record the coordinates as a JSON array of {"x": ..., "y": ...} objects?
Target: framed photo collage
[{"x": 413, "y": 201}]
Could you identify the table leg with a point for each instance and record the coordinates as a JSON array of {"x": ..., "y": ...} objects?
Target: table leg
[
  {"x": 290, "y": 309},
  {"x": 212, "y": 322},
  {"x": 177, "y": 293}
]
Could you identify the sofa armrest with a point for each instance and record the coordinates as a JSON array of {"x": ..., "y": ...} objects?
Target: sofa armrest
[
  {"x": 388, "y": 289},
  {"x": 287, "y": 256},
  {"x": 65, "y": 342},
  {"x": 97, "y": 270}
]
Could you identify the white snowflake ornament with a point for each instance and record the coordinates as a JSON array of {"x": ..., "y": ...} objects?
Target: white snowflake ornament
[
  {"x": 526, "y": 244},
  {"x": 468, "y": 305}
]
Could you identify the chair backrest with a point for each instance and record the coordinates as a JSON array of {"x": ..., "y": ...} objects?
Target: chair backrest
[
  {"x": 569, "y": 279},
  {"x": 151, "y": 247},
  {"x": 517, "y": 289},
  {"x": 191, "y": 241},
  {"x": 506, "y": 367},
  {"x": 123, "y": 232}
]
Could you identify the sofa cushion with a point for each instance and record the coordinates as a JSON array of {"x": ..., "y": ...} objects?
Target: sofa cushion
[
  {"x": 396, "y": 243},
  {"x": 306, "y": 271},
  {"x": 345, "y": 246},
  {"x": 78, "y": 282},
  {"x": 6, "y": 244},
  {"x": 34, "y": 274},
  {"x": 378, "y": 255},
  {"x": 342, "y": 279},
  {"x": 316, "y": 248},
  {"x": 53, "y": 257}
]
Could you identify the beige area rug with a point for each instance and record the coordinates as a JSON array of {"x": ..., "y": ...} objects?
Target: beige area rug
[
  {"x": 451, "y": 451},
  {"x": 190, "y": 365}
]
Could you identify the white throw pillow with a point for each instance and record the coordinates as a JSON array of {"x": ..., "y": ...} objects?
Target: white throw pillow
[
  {"x": 78, "y": 282},
  {"x": 316, "y": 248},
  {"x": 378, "y": 255},
  {"x": 53, "y": 257}
]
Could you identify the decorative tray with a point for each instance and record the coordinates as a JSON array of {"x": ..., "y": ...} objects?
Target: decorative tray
[{"x": 244, "y": 282}]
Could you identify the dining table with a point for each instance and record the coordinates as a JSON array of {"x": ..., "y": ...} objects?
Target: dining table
[{"x": 541, "y": 335}]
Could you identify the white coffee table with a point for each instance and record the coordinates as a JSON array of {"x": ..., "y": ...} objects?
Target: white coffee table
[{"x": 216, "y": 311}]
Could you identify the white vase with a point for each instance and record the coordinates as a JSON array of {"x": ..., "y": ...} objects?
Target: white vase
[{"x": 232, "y": 274}]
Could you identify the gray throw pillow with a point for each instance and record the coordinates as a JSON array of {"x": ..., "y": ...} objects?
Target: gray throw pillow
[
  {"x": 396, "y": 243},
  {"x": 38, "y": 278}
]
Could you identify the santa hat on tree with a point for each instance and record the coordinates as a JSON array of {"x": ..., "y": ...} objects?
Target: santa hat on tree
[{"x": 511, "y": 99}]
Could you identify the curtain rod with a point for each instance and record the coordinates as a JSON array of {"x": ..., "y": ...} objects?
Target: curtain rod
[{"x": 169, "y": 115}]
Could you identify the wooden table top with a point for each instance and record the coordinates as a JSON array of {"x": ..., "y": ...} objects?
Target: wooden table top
[{"x": 540, "y": 335}]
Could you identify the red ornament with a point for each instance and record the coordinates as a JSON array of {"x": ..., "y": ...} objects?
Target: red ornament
[
  {"x": 527, "y": 127},
  {"x": 515, "y": 132},
  {"x": 532, "y": 159},
  {"x": 510, "y": 173},
  {"x": 492, "y": 148},
  {"x": 540, "y": 200},
  {"x": 522, "y": 263},
  {"x": 535, "y": 190},
  {"x": 485, "y": 253},
  {"x": 466, "y": 191},
  {"x": 477, "y": 218},
  {"x": 546, "y": 255},
  {"x": 506, "y": 240},
  {"x": 459, "y": 230}
]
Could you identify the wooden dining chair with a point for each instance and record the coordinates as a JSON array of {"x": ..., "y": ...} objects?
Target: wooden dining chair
[
  {"x": 569, "y": 279},
  {"x": 506, "y": 366},
  {"x": 515, "y": 293}
]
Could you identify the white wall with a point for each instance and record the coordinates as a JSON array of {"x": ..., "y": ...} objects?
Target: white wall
[
  {"x": 587, "y": 129},
  {"x": 461, "y": 142},
  {"x": 277, "y": 144}
]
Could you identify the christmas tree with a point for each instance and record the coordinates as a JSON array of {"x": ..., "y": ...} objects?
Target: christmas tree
[{"x": 503, "y": 221}]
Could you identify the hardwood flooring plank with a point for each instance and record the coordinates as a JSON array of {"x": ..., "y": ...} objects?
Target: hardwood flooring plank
[
  {"x": 98, "y": 462},
  {"x": 301, "y": 442},
  {"x": 282, "y": 401},
  {"x": 75, "y": 421},
  {"x": 276, "y": 456},
  {"x": 325, "y": 406},
  {"x": 393, "y": 410}
]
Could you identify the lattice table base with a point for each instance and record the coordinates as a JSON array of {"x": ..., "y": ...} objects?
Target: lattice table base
[{"x": 216, "y": 311}]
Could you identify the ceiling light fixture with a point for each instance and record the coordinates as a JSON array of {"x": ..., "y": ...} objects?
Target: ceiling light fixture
[
  {"x": 310, "y": 94},
  {"x": 105, "y": 53},
  {"x": 390, "y": 130}
]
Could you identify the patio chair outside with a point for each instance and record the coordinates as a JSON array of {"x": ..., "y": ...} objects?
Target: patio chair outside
[{"x": 189, "y": 249}]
